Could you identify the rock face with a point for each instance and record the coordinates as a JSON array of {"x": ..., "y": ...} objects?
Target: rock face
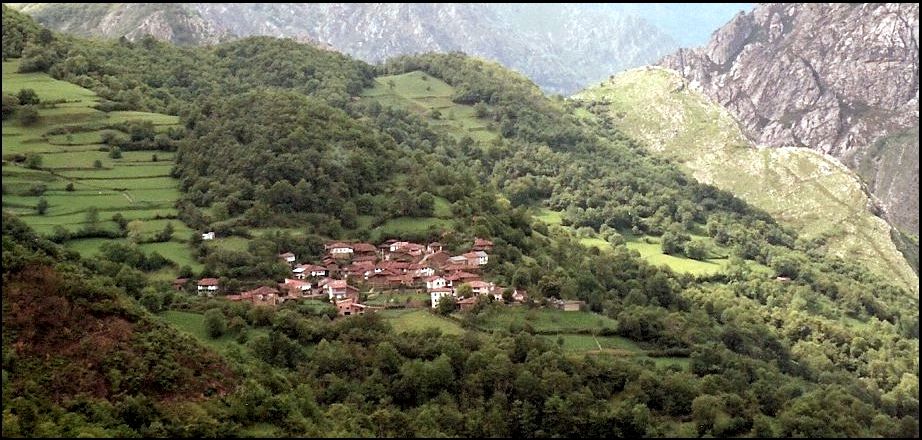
[
  {"x": 842, "y": 79},
  {"x": 561, "y": 47}
]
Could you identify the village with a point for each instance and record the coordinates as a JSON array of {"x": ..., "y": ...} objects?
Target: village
[{"x": 349, "y": 269}]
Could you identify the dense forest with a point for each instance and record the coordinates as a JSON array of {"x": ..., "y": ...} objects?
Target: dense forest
[{"x": 274, "y": 134}]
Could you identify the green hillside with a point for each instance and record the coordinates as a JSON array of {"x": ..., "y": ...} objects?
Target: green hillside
[
  {"x": 818, "y": 196},
  {"x": 76, "y": 172}
]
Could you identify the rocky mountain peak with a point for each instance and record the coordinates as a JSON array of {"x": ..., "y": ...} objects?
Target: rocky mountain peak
[{"x": 842, "y": 79}]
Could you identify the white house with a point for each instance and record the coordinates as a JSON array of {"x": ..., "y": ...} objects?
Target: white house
[
  {"x": 340, "y": 249},
  {"x": 480, "y": 287},
  {"x": 478, "y": 258},
  {"x": 435, "y": 295},
  {"x": 208, "y": 236},
  {"x": 436, "y": 283},
  {"x": 425, "y": 272},
  {"x": 207, "y": 285},
  {"x": 288, "y": 257}
]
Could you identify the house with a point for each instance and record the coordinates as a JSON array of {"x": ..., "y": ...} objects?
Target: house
[
  {"x": 262, "y": 295},
  {"x": 482, "y": 245},
  {"x": 783, "y": 279},
  {"x": 412, "y": 249},
  {"x": 208, "y": 236},
  {"x": 180, "y": 283},
  {"x": 364, "y": 249},
  {"x": 287, "y": 257},
  {"x": 436, "y": 282},
  {"x": 360, "y": 269},
  {"x": 303, "y": 271},
  {"x": 569, "y": 305},
  {"x": 339, "y": 250},
  {"x": 207, "y": 285},
  {"x": 462, "y": 276},
  {"x": 458, "y": 260},
  {"x": 424, "y": 272},
  {"x": 350, "y": 307},
  {"x": 340, "y": 289},
  {"x": 519, "y": 295},
  {"x": 477, "y": 258},
  {"x": 360, "y": 258},
  {"x": 468, "y": 303},
  {"x": 433, "y": 247},
  {"x": 480, "y": 287},
  {"x": 299, "y": 286},
  {"x": 435, "y": 295}
]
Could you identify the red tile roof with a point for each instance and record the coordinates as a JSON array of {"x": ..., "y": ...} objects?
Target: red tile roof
[
  {"x": 364, "y": 247},
  {"x": 208, "y": 282}
]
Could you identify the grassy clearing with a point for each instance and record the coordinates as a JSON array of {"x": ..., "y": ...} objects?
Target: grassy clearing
[
  {"x": 422, "y": 94},
  {"x": 194, "y": 324},
  {"x": 397, "y": 227},
  {"x": 550, "y": 217},
  {"x": 381, "y": 299},
  {"x": 545, "y": 320},
  {"x": 420, "y": 320},
  {"x": 229, "y": 243}
]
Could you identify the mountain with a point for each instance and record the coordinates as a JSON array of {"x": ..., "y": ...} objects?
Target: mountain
[
  {"x": 806, "y": 189},
  {"x": 842, "y": 79},
  {"x": 561, "y": 47},
  {"x": 700, "y": 314}
]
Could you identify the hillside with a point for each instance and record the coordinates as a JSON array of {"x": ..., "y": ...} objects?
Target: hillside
[
  {"x": 841, "y": 79},
  {"x": 66, "y": 160},
  {"x": 561, "y": 47},
  {"x": 72, "y": 338},
  {"x": 805, "y": 189},
  {"x": 651, "y": 304}
]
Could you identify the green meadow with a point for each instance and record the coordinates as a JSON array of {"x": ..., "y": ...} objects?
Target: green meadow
[{"x": 76, "y": 173}]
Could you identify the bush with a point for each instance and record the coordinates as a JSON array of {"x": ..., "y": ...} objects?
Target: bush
[
  {"x": 215, "y": 323},
  {"x": 33, "y": 161},
  {"x": 42, "y": 206},
  {"x": 27, "y": 115}
]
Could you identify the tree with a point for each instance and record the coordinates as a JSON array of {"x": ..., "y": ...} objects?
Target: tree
[
  {"x": 464, "y": 291},
  {"x": 115, "y": 152},
  {"x": 696, "y": 250},
  {"x": 135, "y": 230},
  {"x": 69, "y": 187},
  {"x": 480, "y": 110},
  {"x": 27, "y": 115},
  {"x": 33, "y": 161},
  {"x": 215, "y": 323},
  {"x": 27, "y": 97},
  {"x": 167, "y": 233},
  {"x": 97, "y": 164},
  {"x": 447, "y": 304},
  {"x": 42, "y": 206},
  {"x": 10, "y": 104}
]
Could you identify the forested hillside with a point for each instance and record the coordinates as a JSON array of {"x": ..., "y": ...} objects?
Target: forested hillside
[{"x": 284, "y": 146}]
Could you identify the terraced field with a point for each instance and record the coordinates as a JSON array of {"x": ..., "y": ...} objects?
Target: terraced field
[
  {"x": 77, "y": 174},
  {"x": 807, "y": 190}
]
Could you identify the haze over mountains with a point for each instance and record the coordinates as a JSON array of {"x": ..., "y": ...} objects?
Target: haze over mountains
[{"x": 561, "y": 47}]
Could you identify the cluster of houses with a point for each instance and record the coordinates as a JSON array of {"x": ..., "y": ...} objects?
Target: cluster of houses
[{"x": 392, "y": 265}]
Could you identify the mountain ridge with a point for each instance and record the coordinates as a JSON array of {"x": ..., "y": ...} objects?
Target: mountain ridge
[{"x": 796, "y": 75}]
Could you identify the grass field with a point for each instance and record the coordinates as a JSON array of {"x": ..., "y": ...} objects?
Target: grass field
[
  {"x": 423, "y": 94},
  {"x": 545, "y": 320},
  {"x": 400, "y": 226},
  {"x": 417, "y": 320},
  {"x": 802, "y": 188},
  {"x": 194, "y": 324},
  {"x": 396, "y": 298},
  {"x": 134, "y": 185}
]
